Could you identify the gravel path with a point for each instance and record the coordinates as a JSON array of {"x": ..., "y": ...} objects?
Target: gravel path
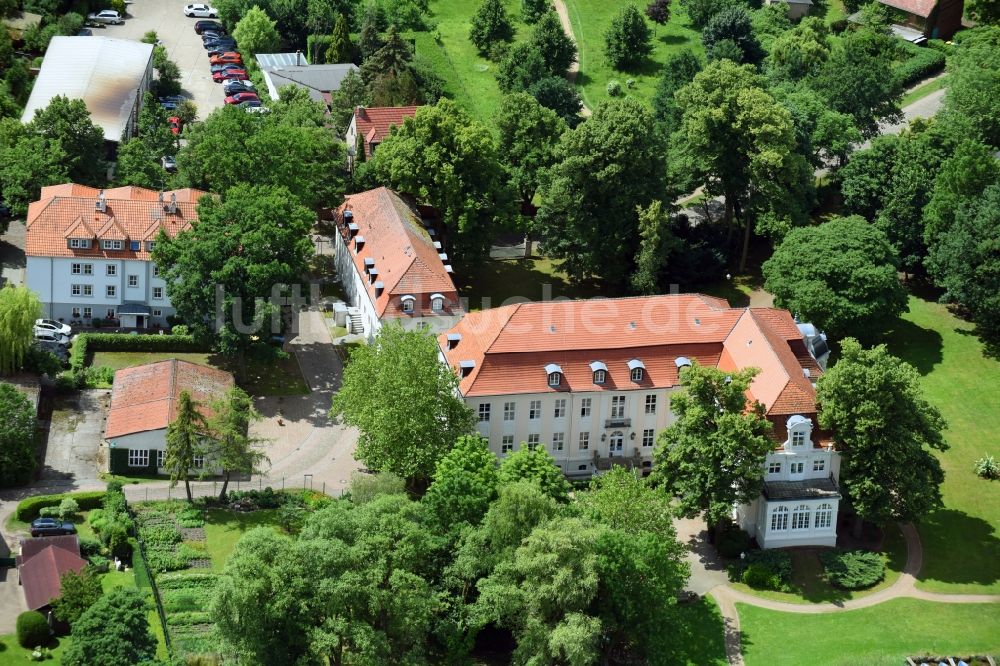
[{"x": 574, "y": 69}]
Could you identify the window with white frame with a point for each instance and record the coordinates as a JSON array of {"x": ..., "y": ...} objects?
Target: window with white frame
[
  {"x": 157, "y": 312},
  {"x": 533, "y": 441},
  {"x": 797, "y": 467},
  {"x": 156, "y": 270},
  {"x": 650, "y": 403},
  {"x": 150, "y": 245},
  {"x": 779, "y": 518},
  {"x": 800, "y": 517},
  {"x": 437, "y": 304},
  {"x": 819, "y": 465},
  {"x": 79, "y": 243},
  {"x": 509, "y": 411},
  {"x": 112, "y": 244},
  {"x": 618, "y": 407},
  {"x": 111, "y": 291},
  {"x": 647, "y": 437},
  {"x": 555, "y": 378},
  {"x": 558, "y": 441},
  {"x": 76, "y": 290},
  {"x": 824, "y": 516},
  {"x": 161, "y": 457},
  {"x": 560, "y": 410},
  {"x": 585, "y": 407},
  {"x": 157, "y": 292},
  {"x": 408, "y": 305},
  {"x": 774, "y": 468},
  {"x": 198, "y": 461},
  {"x": 111, "y": 270},
  {"x": 616, "y": 442},
  {"x": 76, "y": 313},
  {"x": 138, "y": 457},
  {"x": 133, "y": 280},
  {"x": 82, "y": 269},
  {"x": 584, "y": 442},
  {"x": 637, "y": 374},
  {"x": 798, "y": 438},
  {"x": 110, "y": 313},
  {"x": 507, "y": 444},
  {"x": 484, "y": 412},
  {"x": 88, "y": 313},
  {"x": 600, "y": 376},
  {"x": 535, "y": 410}
]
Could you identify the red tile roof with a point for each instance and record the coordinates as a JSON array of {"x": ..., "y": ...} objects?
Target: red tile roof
[
  {"x": 511, "y": 345},
  {"x": 132, "y": 214},
  {"x": 41, "y": 574},
  {"x": 375, "y": 123},
  {"x": 404, "y": 256},
  {"x": 922, "y": 8},
  {"x": 33, "y": 546},
  {"x": 145, "y": 397}
]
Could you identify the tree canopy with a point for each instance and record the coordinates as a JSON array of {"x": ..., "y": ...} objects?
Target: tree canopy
[
  {"x": 628, "y": 40},
  {"x": 530, "y": 134},
  {"x": 256, "y": 32},
  {"x": 557, "y": 49},
  {"x": 733, "y": 25},
  {"x": 186, "y": 436},
  {"x": 19, "y": 308},
  {"x": 535, "y": 464},
  {"x": 489, "y": 25},
  {"x": 465, "y": 483},
  {"x": 234, "y": 449},
  {"x": 78, "y": 592},
  {"x": 114, "y": 630},
  {"x": 885, "y": 430},
  {"x": 17, "y": 437}
]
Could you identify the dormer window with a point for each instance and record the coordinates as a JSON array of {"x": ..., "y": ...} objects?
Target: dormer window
[
  {"x": 637, "y": 370},
  {"x": 799, "y": 430},
  {"x": 682, "y": 362},
  {"x": 454, "y": 339},
  {"x": 112, "y": 244},
  {"x": 465, "y": 368},
  {"x": 407, "y": 302},
  {"x": 437, "y": 302},
  {"x": 555, "y": 375},
  {"x": 798, "y": 438},
  {"x": 79, "y": 243},
  {"x": 599, "y": 371},
  {"x": 359, "y": 244}
]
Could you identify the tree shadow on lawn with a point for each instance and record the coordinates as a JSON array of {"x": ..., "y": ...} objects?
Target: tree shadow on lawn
[
  {"x": 972, "y": 559},
  {"x": 920, "y": 347},
  {"x": 499, "y": 281},
  {"x": 671, "y": 40},
  {"x": 697, "y": 635}
]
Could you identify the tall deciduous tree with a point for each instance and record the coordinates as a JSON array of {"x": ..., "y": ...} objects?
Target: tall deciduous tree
[
  {"x": 537, "y": 465},
  {"x": 801, "y": 51},
  {"x": 404, "y": 402},
  {"x": 234, "y": 448},
  {"x": 733, "y": 25},
  {"x": 17, "y": 437},
  {"x": 139, "y": 165},
  {"x": 19, "y": 308},
  {"x": 700, "y": 12},
  {"x": 963, "y": 176},
  {"x": 678, "y": 71},
  {"x": 655, "y": 245},
  {"x": 658, "y": 11},
  {"x": 628, "y": 40},
  {"x": 223, "y": 273},
  {"x": 712, "y": 456},
  {"x": 557, "y": 49},
  {"x": 840, "y": 276},
  {"x": 607, "y": 167},
  {"x": 446, "y": 159},
  {"x": 351, "y": 94},
  {"x": 886, "y": 430},
  {"x": 465, "y": 483},
  {"x": 490, "y": 24},
  {"x": 256, "y": 32},
  {"x": 529, "y": 133},
  {"x": 558, "y": 94},
  {"x": 186, "y": 437},
  {"x": 974, "y": 84},
  {"x": 67, "y": 122},
  {"x": 115, "y": 630},
  {"x": 78, "y": 592},
  {"x": 532, "y": 10}
]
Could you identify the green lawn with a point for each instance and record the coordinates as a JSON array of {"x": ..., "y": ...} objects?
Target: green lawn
[
  {"x": 590, "y": 20},
  {"x": 882, "y": 634},
  {"x": 12, "y": 654},
  {"x": 503, "y": 280},
  {"x": 961, "y": 545},
  {"x": 698, "y": 635},
  {"x": 924, "y": 90},
  {"x": 271, "y": 376},
  {"x": 223, "y": 528}
]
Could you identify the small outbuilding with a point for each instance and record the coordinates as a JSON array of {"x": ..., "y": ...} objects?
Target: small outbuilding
[
  {"x": 41, "y": 564},
  {"x": 931, "y": 19}
]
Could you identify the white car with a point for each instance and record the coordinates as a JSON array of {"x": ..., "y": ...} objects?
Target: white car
[
  {"x": 105, "y": 16},
  {"x": 52, "y": 326},
  {"x": 229, "y": 87},
  {"x": 200, "y": 11},
  {"x": 52, "y": 337}
]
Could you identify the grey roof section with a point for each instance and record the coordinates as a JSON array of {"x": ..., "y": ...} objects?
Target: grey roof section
[
  {"x": 317, "y": 79},
  {"x": 133, "y": 309},
  {"x": 271, "y": 60},
  {"x": 796, "y": 490},
  {"x": 105, "y": 73}
]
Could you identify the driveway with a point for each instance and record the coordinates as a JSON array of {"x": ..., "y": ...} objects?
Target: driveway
[
  {"x": 73, "y": 450},
  {"x": 183, "y": 45},
  {"x": 12, "y": 254}
]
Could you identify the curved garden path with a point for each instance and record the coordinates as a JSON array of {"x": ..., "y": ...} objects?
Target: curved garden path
[
  {"x": 574, "y": 68},
  {"x": 905, "y": 586}
]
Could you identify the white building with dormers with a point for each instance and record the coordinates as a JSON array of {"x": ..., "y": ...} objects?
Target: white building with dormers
[
  {"x": 591, "y": 381},
  {"x": 89, "y": 252}
]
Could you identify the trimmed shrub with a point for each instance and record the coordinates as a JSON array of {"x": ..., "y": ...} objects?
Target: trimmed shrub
[
  {"x": 760, "y": 577},
  {"x": 87, "y": 343},
  {"x": 853, "y": 569},
  {"x": 987, "y": 468},
  {"x": 732, "y": 542},
  {"x": 921, "y": 63},
  {"x": 99, "y": 563},
  {"x": 68, "y": 508},
  {"x": 776, "y": 563},
  {"x": 28, "y": 509},
  {"x": 32, "y": 629}
]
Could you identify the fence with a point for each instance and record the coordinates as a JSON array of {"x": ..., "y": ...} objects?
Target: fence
[{"x": 143, "y": 578}]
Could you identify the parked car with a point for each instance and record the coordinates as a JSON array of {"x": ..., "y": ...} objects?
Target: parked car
[
  {"x": 202, "y": 26},
  {"x": 175, "y": 124},
  {"x": 53, "y": 348},
  {"x": 52, "y": 326},
  {"x": 51, "y": 527},
  {"x": 239, "y": 98},
  {"x": 85, "y": 32},
  {"x": 109, "y": 16},
  {"x": 229, "y": 57},
  {"x": 230, "y": 87},
  {"x": 52, "y": 336},
  {"x": 226, "y": 43},
  {"x": 253, "y": 107},
  {"x": 169, "y": 163},
  {"x": 200, "y": 11},
  {"x": 228, "y": 74},
  {"x": 219, "y": 50},
  {"x": 226, "y": 66}
]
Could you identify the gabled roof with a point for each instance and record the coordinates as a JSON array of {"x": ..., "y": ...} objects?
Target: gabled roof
[
  {"x": 922, "y": 8},
  {"x": 318, "y": 80},
  {"x": 375, "y": 122},
  {"x": 35, "y": 545},
  {"x": 145, "y": 397},
  {"x": 131, "y": 213},
  {"x": 41, "y": 575},
  {"x": 398, "y": 247}
]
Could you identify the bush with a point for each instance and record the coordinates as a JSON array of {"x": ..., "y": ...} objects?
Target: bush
[
  {"x": 987, "y": 468},
  {"x": 776, "y": 563},
  {"x": 90, "y": 546},
  {"x": 99, "y": 563},
  {"x": 732, "y": 542},
  {"x": 49, "y": 512},
  {"x": 760, "y": 577},
  {"x": 614, "y": 88},
  {"x": 68, "y": 508},
  {"x": 921, "y": 63},
  {"x": 32, "y": 629},
  {"x": 853, "y": 569},
  {"x": 940, "y": 45},
  {"x": 28, "y": 509}
]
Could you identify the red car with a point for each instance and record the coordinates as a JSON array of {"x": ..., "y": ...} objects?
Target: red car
[
  {"x": 226, "y": 58},
  {"x": 174, "y": 123},
  {"x": 225, "y": 75},
  {"x": 242, "y": 97}
]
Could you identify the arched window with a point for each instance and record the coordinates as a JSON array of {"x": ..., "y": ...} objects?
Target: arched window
[
  {"x": 779, "y": 518},
  {"x": 600, "y": 376},
  {"x": 636, "y": 370},
  {"x": 800, "y": 517},
  {"x": 437, "y": 302},
  {"x": 408, "y": 303},
  {"x": 824, "y": 516},
  {"x": 555, "y": 378}
]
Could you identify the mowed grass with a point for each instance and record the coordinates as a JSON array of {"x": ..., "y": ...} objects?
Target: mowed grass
[
  {"x": 12, "y": 654},
  {"x": 882, "y": 634},
  {"x": 921, "y": 91},
  {"x": 961, "y": 544},
  {"x": 499, "y": 282},
  {"x": 223, "y": 528},
  {"x": 590, "y": 20}
]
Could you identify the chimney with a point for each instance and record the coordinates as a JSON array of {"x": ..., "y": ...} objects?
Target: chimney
[
  {"x": 453, "y": 340},
  {"x": 173, "y": 203},
  {"x": 102, "y": 204},
  {"x": 359, "y": 244},
  {"x": 379, "y": 288}
]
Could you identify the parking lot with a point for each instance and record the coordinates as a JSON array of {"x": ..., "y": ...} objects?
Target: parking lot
[{"x": 183, "y": 45}]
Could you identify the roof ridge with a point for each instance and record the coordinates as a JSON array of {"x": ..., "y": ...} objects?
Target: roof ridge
[{"x": 171, "y": 405}]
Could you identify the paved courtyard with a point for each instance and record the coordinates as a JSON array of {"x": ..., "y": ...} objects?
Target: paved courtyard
[
  {"x": 12, "y": 254},
  {"x": 73, "y": 450}
]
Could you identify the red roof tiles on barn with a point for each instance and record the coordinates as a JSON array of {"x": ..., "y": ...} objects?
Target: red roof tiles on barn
[{"x": 374, "y": 123}]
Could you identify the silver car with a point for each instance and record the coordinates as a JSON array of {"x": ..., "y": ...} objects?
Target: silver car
[
  {"x": 53, "y": 337},
  {"x": 105, "y": 16},
  {"x": 52, "y": 326}
]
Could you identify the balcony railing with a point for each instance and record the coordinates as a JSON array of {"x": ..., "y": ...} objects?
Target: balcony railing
[{"x": 618, "y": 423}]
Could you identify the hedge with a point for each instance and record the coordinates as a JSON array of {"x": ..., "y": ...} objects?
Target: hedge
[
  {"x": 28, "y": 509},
  {"x": 853, "y": 569},
  {"x": 921, "y": 63},
  {"x": 32, "y": 630},
  {"x": 87, "y": 343}
]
